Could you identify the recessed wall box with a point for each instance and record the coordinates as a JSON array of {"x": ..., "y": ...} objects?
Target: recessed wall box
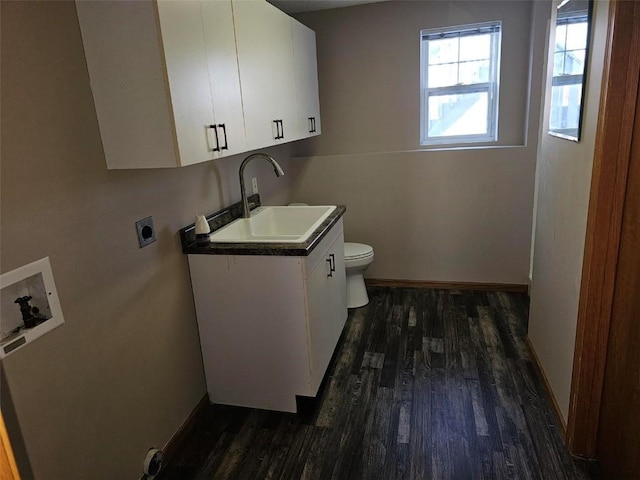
[{"x": 29, "y": 305}]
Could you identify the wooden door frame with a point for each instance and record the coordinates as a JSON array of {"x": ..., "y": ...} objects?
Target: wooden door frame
[
  {"x": 604, "y": 222},
  {"x": 8, "y": 466}
]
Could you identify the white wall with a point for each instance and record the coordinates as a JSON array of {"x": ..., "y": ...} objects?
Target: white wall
[
  {"x": 445, "y": 217},
  {"x": 563, "y": 179},
  {"x": 124, "y": 372},
  {"x": 456, "y": 215}
]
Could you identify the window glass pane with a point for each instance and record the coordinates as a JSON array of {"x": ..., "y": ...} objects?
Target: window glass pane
[
  {"x": 574, "y": 62},
  {"x": 453, "y": 115},
  {"x": 565, "y": 107},
  {"x": 558, "y": 64},
  {"x": 475, "y": 47},
  {"x": 443, "y": 75},
  {"x": 443, "y": 51},
  {"x": 459, "y": 69},
  {"x": 576, "y": 36},
  {"x": 561, "y": 37},
  {"x": 474, "y": 72}
]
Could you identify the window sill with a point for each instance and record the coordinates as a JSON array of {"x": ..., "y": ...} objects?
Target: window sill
[{"x": 440, "y": 148}]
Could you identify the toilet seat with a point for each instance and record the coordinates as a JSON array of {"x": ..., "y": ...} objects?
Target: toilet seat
[{"x": 357, "y": 251}]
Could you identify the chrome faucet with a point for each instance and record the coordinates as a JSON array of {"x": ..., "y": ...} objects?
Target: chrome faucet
[{"x": 276, "y": 168}]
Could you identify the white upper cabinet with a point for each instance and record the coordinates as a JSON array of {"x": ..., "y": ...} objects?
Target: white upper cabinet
[
  {"x": 172, "y": 87},
  {"x": 267, "y": 76},
  {"x": 165, "y": 80},
  {"x": 306, "y": 69}
]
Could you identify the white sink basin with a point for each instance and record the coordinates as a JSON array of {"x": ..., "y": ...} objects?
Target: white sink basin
[{"x": 291, "y": 224}]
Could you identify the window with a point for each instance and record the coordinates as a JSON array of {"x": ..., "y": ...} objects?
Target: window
[
  {"x": 568, "y": 68},
  {"x": 459, "y": 84}
]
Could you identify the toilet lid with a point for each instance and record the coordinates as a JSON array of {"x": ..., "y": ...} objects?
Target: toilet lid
[{"x": 357, "y": 250}]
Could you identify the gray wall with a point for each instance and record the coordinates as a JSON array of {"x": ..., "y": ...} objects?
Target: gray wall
[
  {"x": 562, "y": 199},
  {"x": 124, "y": 372},
  {"x": 448, "y": 215}
]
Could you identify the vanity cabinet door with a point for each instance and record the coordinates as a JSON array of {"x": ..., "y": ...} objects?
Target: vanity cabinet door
[
  {"x": 338, "y": 289},
  {"x": 321, "y": 329},
  {"x": 265, "y": 60},
  {"x": 327, "y": 304},
  {"x": 306, "y": 67}
]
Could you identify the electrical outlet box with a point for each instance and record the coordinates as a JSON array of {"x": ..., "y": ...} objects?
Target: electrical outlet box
[
  {"x": 146, "y": 232},
  {"x": 254, "y": 184}
]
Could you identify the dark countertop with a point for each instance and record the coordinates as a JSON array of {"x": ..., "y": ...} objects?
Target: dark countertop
[{"x": 227, "y": 215}]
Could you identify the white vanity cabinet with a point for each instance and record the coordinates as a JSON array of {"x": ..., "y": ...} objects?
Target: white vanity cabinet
[
  {"x": 306, "y": 70},
  {"x": 267, "y": 73},
  {"x": 269, "y": 324},
  {"x": 165, "y": 80}
]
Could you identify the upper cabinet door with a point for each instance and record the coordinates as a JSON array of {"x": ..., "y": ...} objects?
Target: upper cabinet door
[
  {"x": 224, "y": 78},
  {"x": 265, "y": 59},
  {"x": 306, "y": 68},
  {"x": 190, "y": 90}
]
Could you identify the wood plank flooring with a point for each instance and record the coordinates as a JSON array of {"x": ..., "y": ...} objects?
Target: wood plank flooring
[{"x": 424, "y": 384}]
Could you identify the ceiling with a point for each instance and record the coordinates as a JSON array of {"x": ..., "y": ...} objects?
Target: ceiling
[{"x": 299, "y": 6}]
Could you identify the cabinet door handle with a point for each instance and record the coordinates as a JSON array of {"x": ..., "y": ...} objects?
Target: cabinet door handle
[
  {"x": 311, "y": 125},
  {"x": 277, "y": 136},
  {"x": 281, "y": 129},
  {"x": 224, "y": 131},
  {"x": 333, "y": 262},
  {"x": 330, "y": 274},
  {"x": 215, "y": 131}
]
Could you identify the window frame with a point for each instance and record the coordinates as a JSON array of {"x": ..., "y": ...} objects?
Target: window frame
[
  {"x": 491, "y": 87},
  {"x": 563, "y": 80},
  {"x": 577, "y": 78}
]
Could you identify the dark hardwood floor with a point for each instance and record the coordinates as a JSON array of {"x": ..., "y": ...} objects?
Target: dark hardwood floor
[{"x": 425, "y": 384}]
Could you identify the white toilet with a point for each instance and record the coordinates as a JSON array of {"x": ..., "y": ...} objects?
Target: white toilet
[{"x": 357, "y": 257}]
